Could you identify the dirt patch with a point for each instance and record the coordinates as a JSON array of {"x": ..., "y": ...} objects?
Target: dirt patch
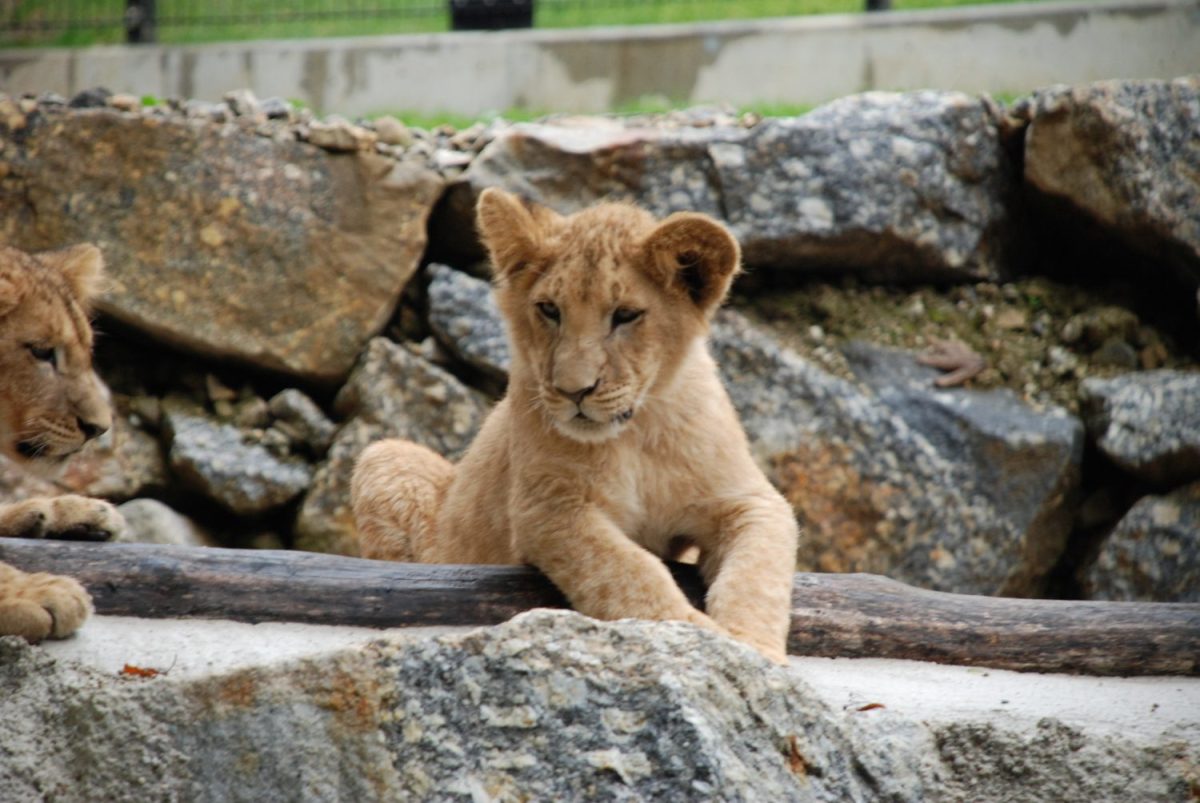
[{"x": 1039, "y": 337}]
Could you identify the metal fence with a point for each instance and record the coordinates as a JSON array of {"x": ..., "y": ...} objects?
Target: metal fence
[{"x": 82, "y": 22}]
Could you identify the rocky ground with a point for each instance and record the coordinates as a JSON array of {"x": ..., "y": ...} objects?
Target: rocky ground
[
  {"x": 285, "y": 289},
  {"x": 552, "y": 705}
]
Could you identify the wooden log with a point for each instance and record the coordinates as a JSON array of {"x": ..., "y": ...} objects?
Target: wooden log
[{"x": 842, "y": 616}]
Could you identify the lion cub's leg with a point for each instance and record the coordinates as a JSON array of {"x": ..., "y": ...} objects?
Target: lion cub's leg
[
  {"x": 750, "y": 568},
  {"x": 599, "y": 569},
  {"x": 37, "y": 606},
  {"x": 396, "y": 492},
  {"x": 68, "y": 517}
]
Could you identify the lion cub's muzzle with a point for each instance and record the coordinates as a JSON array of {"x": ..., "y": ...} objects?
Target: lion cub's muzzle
[{"x": 588, "y": 414}]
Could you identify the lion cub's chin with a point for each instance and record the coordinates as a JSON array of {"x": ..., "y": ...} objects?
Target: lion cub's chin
[{"x": 587, "y": 430}]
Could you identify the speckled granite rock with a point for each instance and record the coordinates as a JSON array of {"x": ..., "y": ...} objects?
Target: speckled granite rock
[
  {"x": 392, "y": 393},
  {"x": 1148, "y": 423},
  {"x": 912, "y": 185},
  {"x": 464, "y": 317},
  {"x": 877, "y": 494},
  {"x": 1025, "y": 462},
  {"x": 566, "y": 708},
  {"x": 215, "y": 460},
  {"x": 267, "y": 250},
  {"x": 1126, "y": 155},
  {"x": 889, "y": 185},
  {"x": 550, "y": 706},
  {"x": 1153, "y": 554},
  {"x": 302, "y": 420}
]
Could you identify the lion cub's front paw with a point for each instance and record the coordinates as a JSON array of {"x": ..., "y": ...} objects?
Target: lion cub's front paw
[
  {"x": 67, "y": 518},
  {"x": 37, "y": 606}
]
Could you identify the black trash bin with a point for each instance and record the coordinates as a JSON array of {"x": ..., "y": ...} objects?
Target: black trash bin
[{"x": 490, "y": 15}]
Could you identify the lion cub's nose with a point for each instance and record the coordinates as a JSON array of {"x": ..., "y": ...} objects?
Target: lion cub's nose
[
  {"x": 90, "y": 430},
  {"x": 578, "y": 396}
]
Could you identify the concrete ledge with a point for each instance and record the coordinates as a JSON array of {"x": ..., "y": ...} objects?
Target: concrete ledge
[{"x": 805, "y": 60}]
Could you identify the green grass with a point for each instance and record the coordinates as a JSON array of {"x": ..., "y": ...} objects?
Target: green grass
[
  {"x": 86, "y": 22},
  {"x": 655, "y": 105}
]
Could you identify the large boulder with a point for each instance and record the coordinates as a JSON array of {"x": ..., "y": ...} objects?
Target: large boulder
[
  {"x": 1148, "y": 423},
  {"x": 555, "y": 706},
  {"x": 1153, "y": 554},
  {"x": 264, "y": 249},
  {"x": 1124, "y": 155},
  {"x": 392, "y": 393},
  {"x": 1025, "y": 461},
  {"x": 912, "y": 186},
  {"x": 918, "y": 485}
]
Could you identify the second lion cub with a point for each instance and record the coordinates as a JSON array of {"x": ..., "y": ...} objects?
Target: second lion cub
[{"x": 615, "y": 438}]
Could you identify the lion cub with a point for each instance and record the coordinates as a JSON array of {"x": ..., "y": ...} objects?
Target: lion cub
[
  {"x": 616, "y": 436},
  {"x": 51, "y": 404}
]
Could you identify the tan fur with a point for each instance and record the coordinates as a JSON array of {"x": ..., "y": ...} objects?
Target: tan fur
[
  {"x": 616, "y": 444},
  {"x": 50, "y": 406}
]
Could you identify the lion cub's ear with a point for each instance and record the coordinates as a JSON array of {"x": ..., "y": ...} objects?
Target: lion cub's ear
[
  {"x": 695, "y": 255},
  {"x": 82, "y": 265},
  {"x": 514, "y": 231}
]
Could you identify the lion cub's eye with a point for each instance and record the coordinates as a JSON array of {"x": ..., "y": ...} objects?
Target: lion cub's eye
[
  {"x": 43, "y": 354},
  {"x": 624, "y": 315},
  {"x": 548, "y": 310}
]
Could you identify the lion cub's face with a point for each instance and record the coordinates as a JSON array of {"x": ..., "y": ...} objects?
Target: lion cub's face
[
  {"x": 602, "y": 306},
  {"x": 51, "y": 402}
]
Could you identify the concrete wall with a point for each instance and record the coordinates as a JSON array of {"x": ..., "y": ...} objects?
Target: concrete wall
[{"x": 795, "y": 60}]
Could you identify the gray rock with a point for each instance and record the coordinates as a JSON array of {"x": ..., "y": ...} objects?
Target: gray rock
[
  {"x": 550, "y": 706},
  {"x": 912, "y": 501},
  {"x": 392, "y": 393},
  {"x": 243, "y": 102},
  {"x": 1153, "y": 554},
  {"x": 276, "y": 253},
  {"x": 1126, "y": 155},
  {"x": 1148, "y": 423},
  {"x": 464, "y": 317},
  {"x": 152, "y": 522},
  {"x": 566, "y": 708},
  {"x": 215, "y": 460},
  {"x": 394, "y": 389},
  {"x": 90, "y": 98},
  {"x": 911, "y": 186},
  {"x": 302, "y": 420},
  {"x": 1025, "y": 462},
  {"x": 276, "y": 108}
]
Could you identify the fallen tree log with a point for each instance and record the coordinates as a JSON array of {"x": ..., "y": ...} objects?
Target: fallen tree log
[{"x": 842, "y": 616}]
